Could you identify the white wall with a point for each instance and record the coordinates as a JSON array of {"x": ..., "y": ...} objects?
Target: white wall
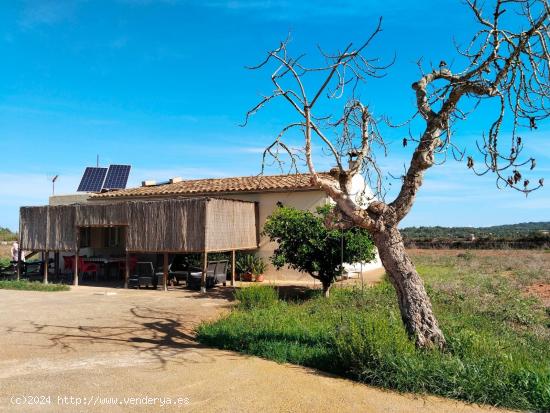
[
  {"x": 68, "y": 199},
  {"x": 305, "y": 200}
]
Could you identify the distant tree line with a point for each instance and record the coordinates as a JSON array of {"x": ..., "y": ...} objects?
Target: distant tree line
[
  {"x": 7, "y": 235},
  {"x": 523, "y": 235}
]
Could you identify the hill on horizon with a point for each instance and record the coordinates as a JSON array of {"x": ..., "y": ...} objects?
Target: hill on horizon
[{"x": 509, "y": 231}]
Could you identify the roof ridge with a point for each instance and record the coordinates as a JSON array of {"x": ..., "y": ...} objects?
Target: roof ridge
[
  {"x": 251, "y": 176},
  {"x": 253, "y": 183}
]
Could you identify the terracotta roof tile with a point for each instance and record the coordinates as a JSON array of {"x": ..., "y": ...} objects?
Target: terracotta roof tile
[{"x": 265, "y": 183}]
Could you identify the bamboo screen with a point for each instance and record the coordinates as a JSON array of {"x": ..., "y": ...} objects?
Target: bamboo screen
[
  {"x": 230, "y": 225},
  {"x": 169, "y": 226},
  {"x": 175, "y": 225},
  {"x": 61, "y": 228},
  {"x": 33, "y": 228}
]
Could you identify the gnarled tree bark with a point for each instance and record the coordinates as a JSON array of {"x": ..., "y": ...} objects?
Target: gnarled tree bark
[
  {"x": 414, "y": 303},
  {"x": 326, "y": 288}
]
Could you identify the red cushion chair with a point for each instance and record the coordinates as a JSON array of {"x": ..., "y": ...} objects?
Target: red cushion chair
[{"x": 88, "y": 267}]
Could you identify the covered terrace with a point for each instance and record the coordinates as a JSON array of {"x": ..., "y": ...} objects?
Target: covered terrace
[{"x": 173, "y": 226}]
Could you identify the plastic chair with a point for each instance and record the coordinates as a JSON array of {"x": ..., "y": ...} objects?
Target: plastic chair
[
  {"x": 68, "y": 263},
  {"x": 87, "y": 267}
]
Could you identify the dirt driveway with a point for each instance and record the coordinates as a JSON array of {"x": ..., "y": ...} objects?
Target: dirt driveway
[{"x": 103, "y": 350}]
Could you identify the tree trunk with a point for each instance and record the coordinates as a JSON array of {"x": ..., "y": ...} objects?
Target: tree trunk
[
  {"x": 326, "y": 288},
  {"x": 414, "y": 303}
]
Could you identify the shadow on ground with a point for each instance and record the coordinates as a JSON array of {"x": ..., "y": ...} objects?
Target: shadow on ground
[{"x": 161, "y": 335}]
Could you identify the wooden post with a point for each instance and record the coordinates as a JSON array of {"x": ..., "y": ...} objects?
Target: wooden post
[
  {"x": 126, "y": 269},
  {"x": 19, "y": 254},
  {"x": 75, "y": 278},
  {"x": 165, "y": 272},
  {"x": 46, "y": 257},
  {"x": 233, "y": 268},
  {"x": 204, "y": 269},
  {"x": 56, "y": 265}
]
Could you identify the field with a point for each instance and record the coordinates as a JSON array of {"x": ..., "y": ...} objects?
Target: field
[
  {"x": 5, "y": 250},
  {"x": 490, "y": 304}
]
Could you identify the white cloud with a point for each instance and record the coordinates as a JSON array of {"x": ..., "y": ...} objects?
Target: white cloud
[{"x": 251, "y": 149}]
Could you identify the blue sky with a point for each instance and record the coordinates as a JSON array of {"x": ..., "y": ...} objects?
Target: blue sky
[{"x": 161, "y": 85}]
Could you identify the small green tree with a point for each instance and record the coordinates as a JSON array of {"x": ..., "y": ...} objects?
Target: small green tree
[{"x": 306, "y": 245}]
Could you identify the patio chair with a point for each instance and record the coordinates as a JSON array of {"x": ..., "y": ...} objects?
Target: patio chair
[
  {"x": 68, "y": 269},
  {"x": 180, "y": 275},
  {"x": 194, "y": 277},
  {"x": 220, "y": 275},
  {"x": 8, "y": 272},
  {"x": 89, "y": 268},
  {"x": 159, "y": 275},
  {"x": 144, "y": 275},
  {"x": 180, "y": 269},
  {"x": 33, "y": 271}
]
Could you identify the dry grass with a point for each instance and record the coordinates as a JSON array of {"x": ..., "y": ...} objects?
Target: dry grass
[
  {"x": 5, "y": 250},
  {"x": 521, "y": 268}
]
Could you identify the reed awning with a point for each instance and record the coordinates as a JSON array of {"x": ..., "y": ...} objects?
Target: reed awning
[{"x": 173, "y": 225}]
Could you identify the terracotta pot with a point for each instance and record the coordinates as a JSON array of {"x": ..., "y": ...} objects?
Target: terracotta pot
[
  {"x": 247, "y": 276},
  {"x": 259, "y": 278}
]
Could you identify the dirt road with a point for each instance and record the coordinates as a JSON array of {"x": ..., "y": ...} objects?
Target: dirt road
[{"x": 103, "y": 350}]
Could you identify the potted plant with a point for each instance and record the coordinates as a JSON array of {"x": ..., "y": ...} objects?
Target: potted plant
[
  {"x": 258, "y": 269},
  {"x": 250, "y": 268},
  {"x": 244, "y": 267}
]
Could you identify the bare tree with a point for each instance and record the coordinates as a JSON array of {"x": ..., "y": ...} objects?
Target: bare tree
[{"x": 506, "y": 65}]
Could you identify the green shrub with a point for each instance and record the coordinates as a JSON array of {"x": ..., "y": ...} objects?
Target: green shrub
[
  {"x": 31, "y": 286},
  {"x": 305, "y": 244},
  {"x": 256, "y": 296}
]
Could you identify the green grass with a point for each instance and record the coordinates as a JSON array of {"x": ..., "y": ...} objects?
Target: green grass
[
  {"x": 498, "y": 338},
  {"x": 256, "y": 296},
  {"x": 31, "y": 286}
]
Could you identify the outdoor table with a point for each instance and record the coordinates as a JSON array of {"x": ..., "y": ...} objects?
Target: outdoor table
[{"x": 105, "y": 262}]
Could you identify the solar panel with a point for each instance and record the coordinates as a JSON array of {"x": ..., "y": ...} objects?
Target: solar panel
[
  {"x": 117, "y": 177},
  {"x": 92, "y": 180}
]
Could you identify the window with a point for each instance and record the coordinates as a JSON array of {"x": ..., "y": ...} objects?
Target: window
[{"x": 85, "y": 237}]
